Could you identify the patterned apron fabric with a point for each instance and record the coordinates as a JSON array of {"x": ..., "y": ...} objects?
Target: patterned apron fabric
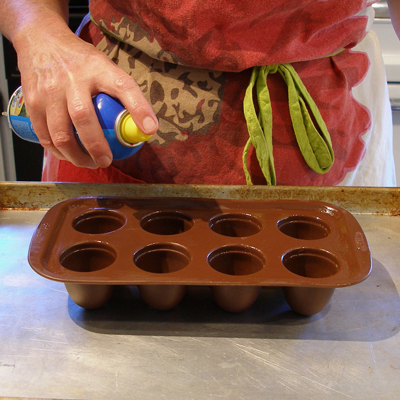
[{"x": 195, "y": 71}]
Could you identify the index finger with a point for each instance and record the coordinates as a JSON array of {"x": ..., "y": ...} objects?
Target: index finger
[{"x": 128, "y": 92}]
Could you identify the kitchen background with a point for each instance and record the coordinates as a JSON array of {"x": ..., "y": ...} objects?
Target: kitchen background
[{"x": 22, "y": 161}]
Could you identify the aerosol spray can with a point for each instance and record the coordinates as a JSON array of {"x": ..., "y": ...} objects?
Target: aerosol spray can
[{"x": 122, "y": 134}]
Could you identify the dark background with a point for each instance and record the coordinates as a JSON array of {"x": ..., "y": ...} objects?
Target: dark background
[{"x": 29, "y": 156}]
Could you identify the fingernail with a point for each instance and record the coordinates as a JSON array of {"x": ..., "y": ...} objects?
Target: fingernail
[
  {"x": 149, "y": 125},
  {"x": 103, "y": 161},
  {"x": 92, "y": 165}
]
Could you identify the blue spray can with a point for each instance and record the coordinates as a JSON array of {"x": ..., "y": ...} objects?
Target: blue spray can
[{"x": 122, "y": 134}]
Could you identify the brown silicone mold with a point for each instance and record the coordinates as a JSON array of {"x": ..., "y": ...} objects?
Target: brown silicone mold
[{"x": 162, "y": 245}]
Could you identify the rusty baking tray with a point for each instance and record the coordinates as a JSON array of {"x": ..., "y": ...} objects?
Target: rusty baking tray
[{"x": 163, "y": 245}]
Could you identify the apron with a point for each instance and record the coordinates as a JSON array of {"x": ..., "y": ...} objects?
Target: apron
[{"x": 217, "y": 79}]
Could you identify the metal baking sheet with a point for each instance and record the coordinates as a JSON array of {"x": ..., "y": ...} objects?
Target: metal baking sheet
[{"x": 52, "y": 348}]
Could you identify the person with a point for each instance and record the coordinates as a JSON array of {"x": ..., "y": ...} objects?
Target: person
[{"x": 231, "y": 92}]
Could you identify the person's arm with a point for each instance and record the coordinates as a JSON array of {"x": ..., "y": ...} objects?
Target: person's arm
[
  {"x": 394, "y": 8},
  {"x": 18, "y": 14},
  {"x": 60, "y": 73}
]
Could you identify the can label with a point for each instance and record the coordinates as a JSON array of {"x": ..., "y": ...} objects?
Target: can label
[
  {"x": 18, "y": 117},
  {"x": 107, "y": 110}
]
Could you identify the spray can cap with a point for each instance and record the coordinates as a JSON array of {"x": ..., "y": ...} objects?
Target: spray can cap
[{"x": 129, "y": 132}]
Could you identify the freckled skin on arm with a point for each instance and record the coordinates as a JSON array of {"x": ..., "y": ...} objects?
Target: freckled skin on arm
[{"x": 59, "y": 74}]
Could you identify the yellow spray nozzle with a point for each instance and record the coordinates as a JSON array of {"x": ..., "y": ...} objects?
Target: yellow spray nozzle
[{"x": 129, "y": 131}]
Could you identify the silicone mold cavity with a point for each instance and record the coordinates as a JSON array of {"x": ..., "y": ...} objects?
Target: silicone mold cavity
[
  {"x": 305, "y": 228},
  {"x": 166, "y": 223},
  {"x": 235, "y": 225},
  {"x": 98, "y": 221},
  {"x": 311, "y": 263},
  {"x": 88, "y": 257},
  {"x": 162, "y": 258},
  {"x": 236, "y": 260}
]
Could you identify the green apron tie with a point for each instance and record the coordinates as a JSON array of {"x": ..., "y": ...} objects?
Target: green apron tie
[{"x": 314, "y": 142}]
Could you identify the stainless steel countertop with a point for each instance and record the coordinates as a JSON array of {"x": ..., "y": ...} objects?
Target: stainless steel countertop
[{"x": 52, "y": 348}]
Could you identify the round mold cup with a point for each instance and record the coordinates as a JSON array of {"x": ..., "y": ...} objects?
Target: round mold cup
[
  {"x": 304, "y": 227},
  {"x": 99, "y": 221},
  {"x": 89, "y": 296},
  {"x": 235, "y": 225},
  {"x": 236, "y": 260},
  {"x": 87, "y": 258},
  {"x": 162, "y": 258},
  {"x": 312, "y": 264},
  {"x": 166, "y": 223}
]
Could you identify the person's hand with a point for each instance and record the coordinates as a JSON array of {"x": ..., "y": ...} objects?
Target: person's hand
[{"x": 60, "y": 73}]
